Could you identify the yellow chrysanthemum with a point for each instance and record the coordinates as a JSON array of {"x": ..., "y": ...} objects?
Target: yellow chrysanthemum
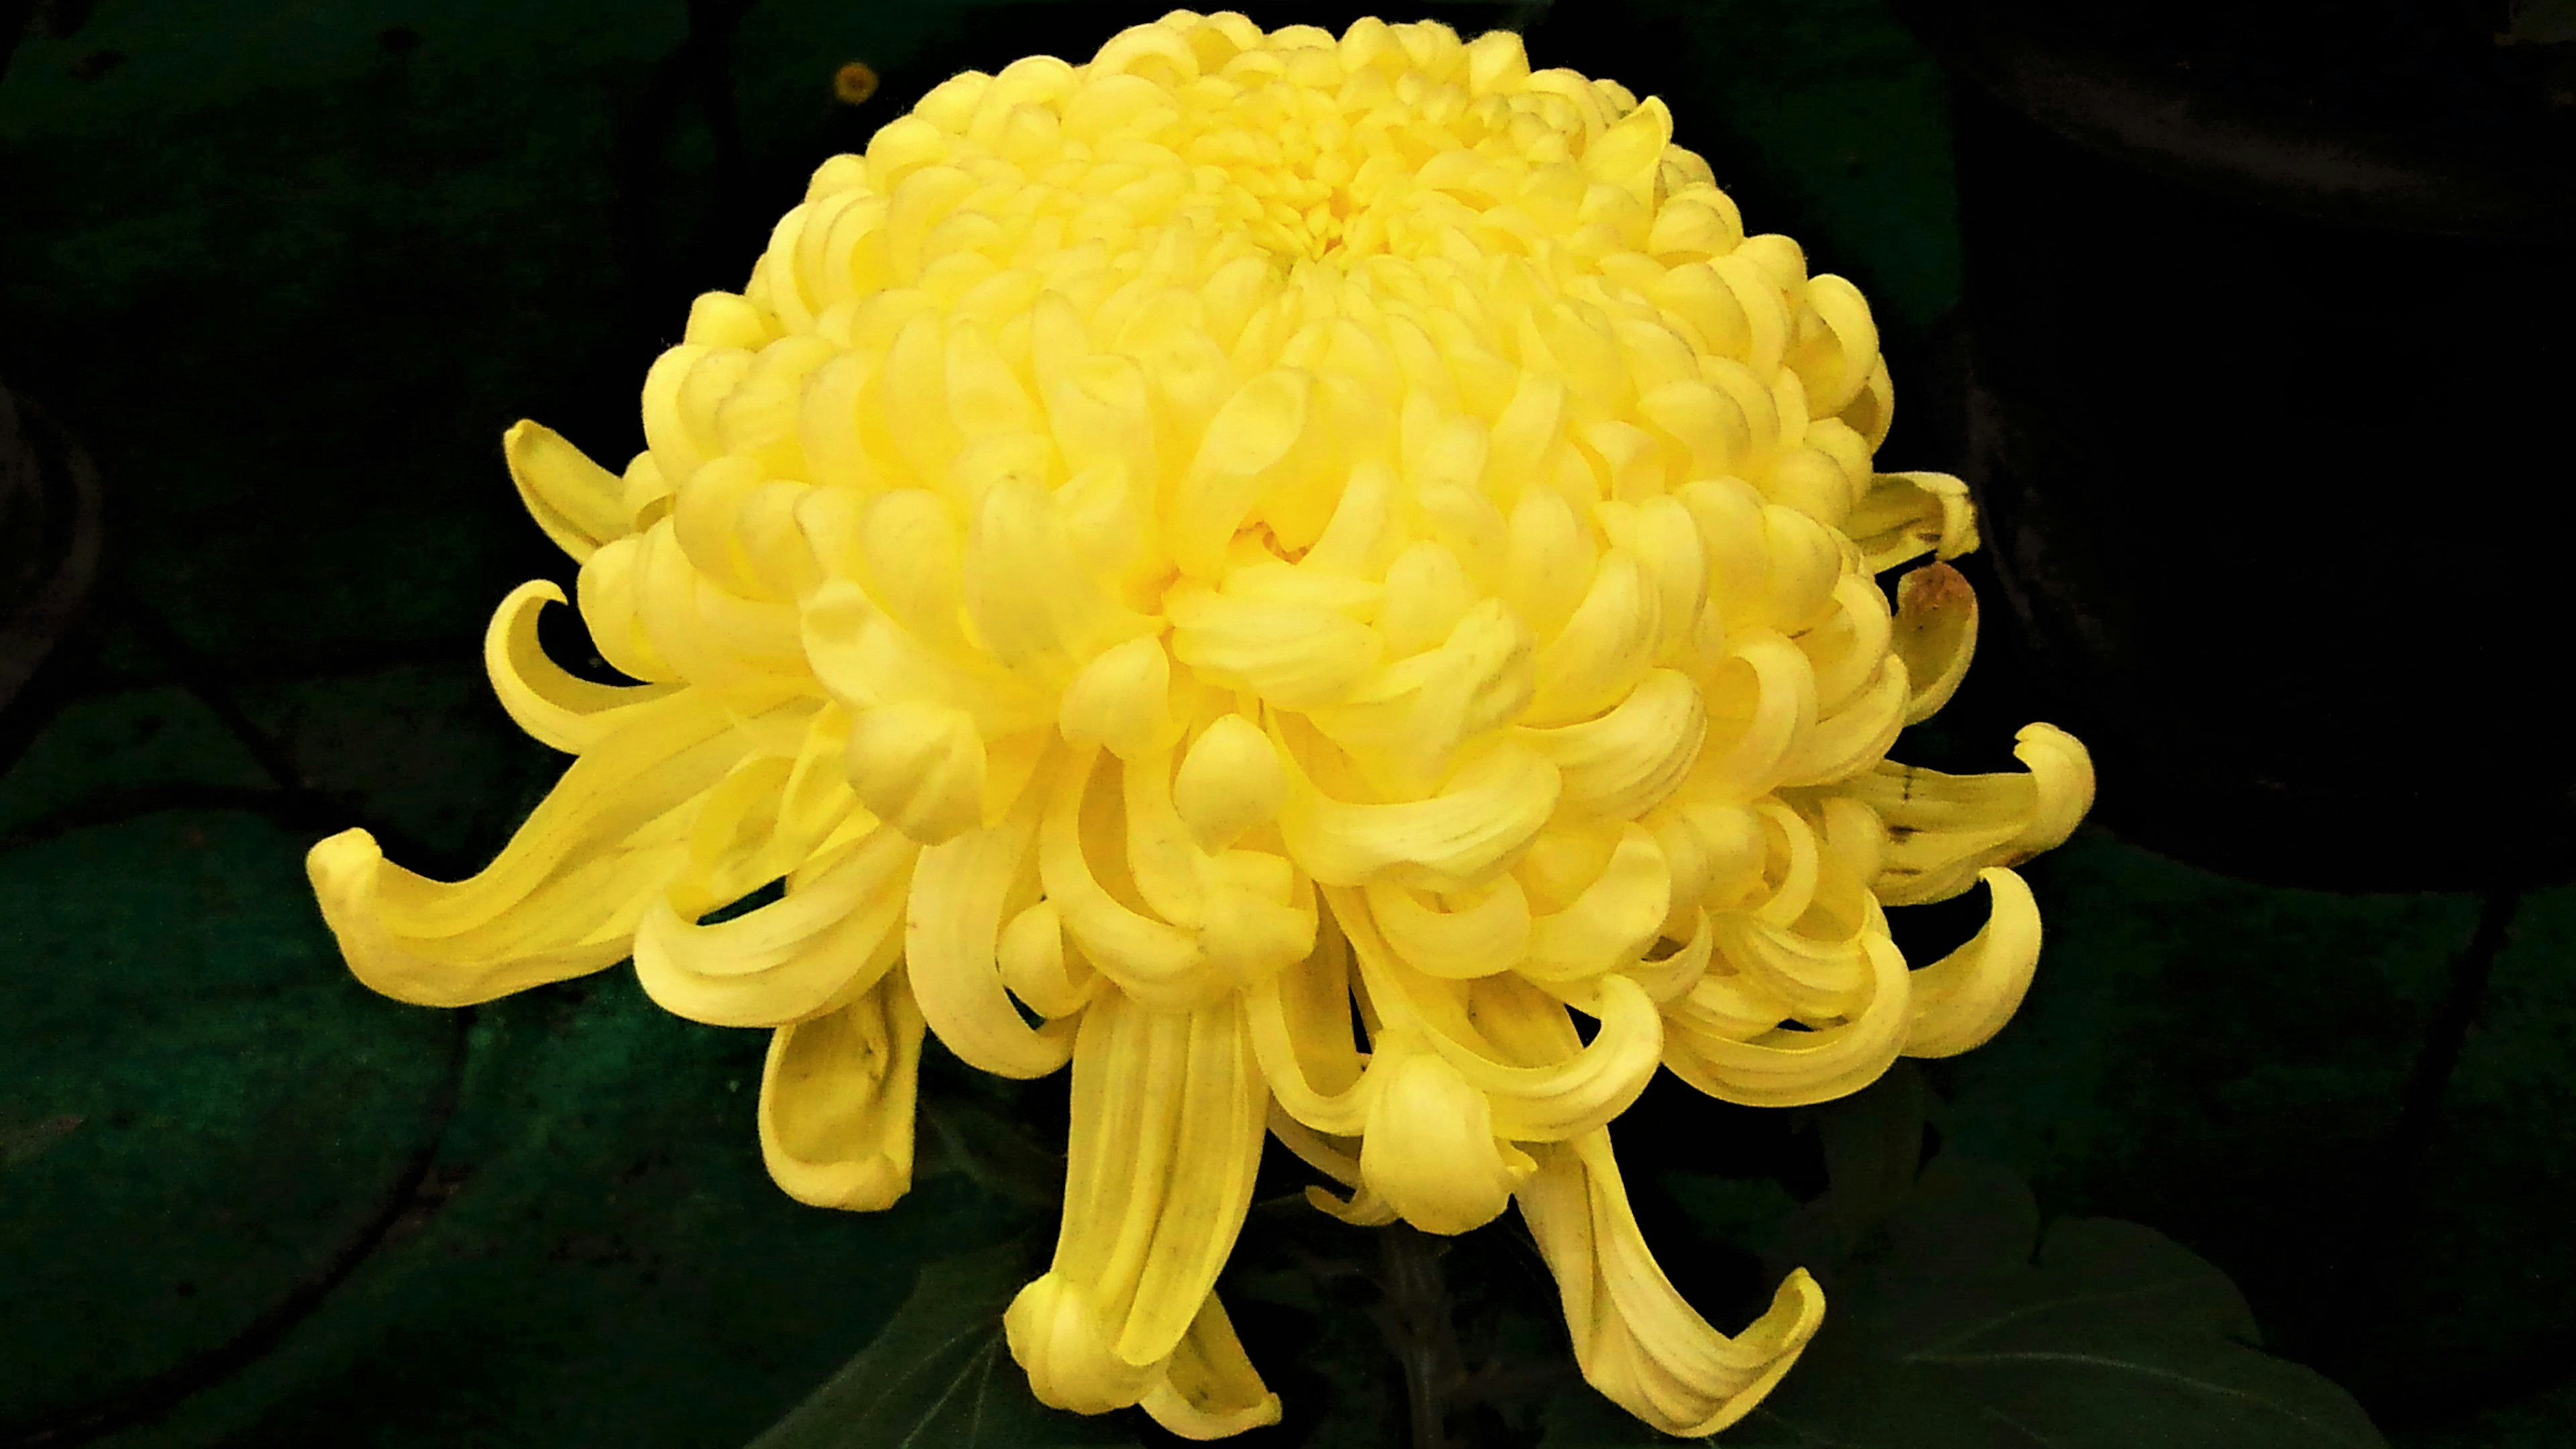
[{"x": 1166, "y": 552}]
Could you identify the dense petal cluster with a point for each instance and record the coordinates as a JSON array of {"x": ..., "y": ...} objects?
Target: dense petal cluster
[{"x": 1169, "y": 555}]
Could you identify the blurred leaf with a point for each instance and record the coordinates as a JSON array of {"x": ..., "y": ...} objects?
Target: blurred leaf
[
  {"x": 1873, "y": 1141},
  {"x": 940, "y": 1376},
  {"x": 996, "y": 1153},
  {"x": 1950, "y": 1336},
  {"x": 2540, "y": 22}
]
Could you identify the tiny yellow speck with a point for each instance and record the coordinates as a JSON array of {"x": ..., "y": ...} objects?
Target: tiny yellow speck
[{"x": 852, "y": 84}]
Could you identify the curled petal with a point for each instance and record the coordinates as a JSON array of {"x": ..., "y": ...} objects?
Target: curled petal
[
  {"x": 1966, "y": 997},
  {"x": 1546, "y": 1085},
  {"x": 1944, "y": 829},
  {"x": 835, "y": 932},
  {"x": 1635, "y": 1338},
  {"x": 1761, "y": 703},
  {"x": 1818, "y": 979},
  {"x": 952, "y": 933},
  {"x": 1486, "y": 934},
  {"x": 561, "y": 899},
  {"x": 1793, "y": 1068},
  {"x": 570, "y": 714},
  {"x": 836, "y": 1101},
  {"x": 1150, "y": 958},
  {"x": 1935, "y": 634},
  {"x": 1904, "y": 516},
  {"x": 1856, "y": 737},
  {"x": 1300, "y": 1021},
  {"x": 1467, "y": 833},
  {"x": 1619, "y": 766},
  {"x": 1613, "y": 922}
]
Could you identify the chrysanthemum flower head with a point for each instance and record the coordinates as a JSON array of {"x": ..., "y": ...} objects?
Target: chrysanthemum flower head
[{"x": 1169, "y": 554}]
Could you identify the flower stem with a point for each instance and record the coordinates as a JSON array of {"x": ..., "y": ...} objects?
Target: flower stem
[
  {"x": 1415, "y": 1320},
  {"x": 2421, "y": 1108}
]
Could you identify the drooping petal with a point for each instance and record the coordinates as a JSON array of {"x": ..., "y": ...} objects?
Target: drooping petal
[
  {"x": 1210, "y": 1390},
  {"x": 1167, "y": 1126},
  {"x": 1634, "y": 1337},
  {"x": 836, "y": 1099},
  {"x": 562, "y": 898}
]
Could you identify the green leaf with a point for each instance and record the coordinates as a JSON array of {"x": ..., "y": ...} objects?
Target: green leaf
[
  {"x": 1952, "y": 1336},
  {"x": 940, "y": 1377}
]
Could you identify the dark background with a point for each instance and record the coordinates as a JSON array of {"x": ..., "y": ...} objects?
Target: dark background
[{"x": 289, "y": 270}]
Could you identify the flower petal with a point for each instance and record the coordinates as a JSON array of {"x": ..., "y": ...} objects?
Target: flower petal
[
  {"x": 561, "y": 899},
  {"x": 1794, "y": 1068},
  {"x": 1622, "y": 764},
  {"x": 578, "y": 503},
  {"x": 1211, "y": 1390},
  {"x": 1429, "y": 1150},
  {"x": 1300, "y": 1022},
  {"x": 1465, "y": 835},
  {"x": 1904, "y": 516},
  {"x": 836, "y": 1098},
  {"x": 1944, "y": 829},
  {"x": 952, "y": 932},
  {"x": 1935, "y": 634},
  {"x": 835, "y": 931},
  {"x": 1635, "y": 1338},
  {"x": 555, "y": 708},
  {"x": 1966, "y": 997}
]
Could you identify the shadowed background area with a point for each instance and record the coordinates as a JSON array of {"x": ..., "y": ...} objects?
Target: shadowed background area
[{"x": 284, "y": 272}]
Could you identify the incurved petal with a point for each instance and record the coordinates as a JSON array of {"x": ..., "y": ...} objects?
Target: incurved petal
[
  {"x": 1816, "y": 978},
  {"x": 561, "y": 899},
  {"x": 1612, "y": 923},
  {"x": 1156, "y": 962},
  {"x": 1635, "y": 1339},
  {"x": 556, "y": 709},
  {"x": 835, "y": 932},
  {"x": 1490, "y": 933},
  {"x": 836, "y": 1100},
  {"x": 1966, "y": 997}
]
